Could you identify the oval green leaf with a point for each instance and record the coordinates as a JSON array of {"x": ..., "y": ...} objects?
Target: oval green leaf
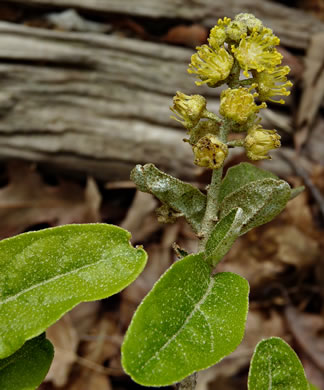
[
  {"x": 46, "y": 273},
  {"x": 223, "y": 236},
  {"x": 260, "y": 201},
  {"x": 178, "y": 195},
  {"x": 27, "y": 367},
  {"x": 188, "y": 322},
  {"x": 240, "y": 175},
  {"x": 275, "y": 366}
]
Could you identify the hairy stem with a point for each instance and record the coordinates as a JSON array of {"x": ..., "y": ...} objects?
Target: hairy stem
[
  {"x": 212, "y": 116},
  {"x": 234, "y": 77},
  {"x": 235, "y": 143},
  {"x": 210, "y": 217},
  {"x": 209, "y": 221}
]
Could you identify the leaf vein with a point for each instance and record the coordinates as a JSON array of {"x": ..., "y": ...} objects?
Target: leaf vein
[
  {"x": 54, "y": 278},
  {"x": 176, "y": 334}
]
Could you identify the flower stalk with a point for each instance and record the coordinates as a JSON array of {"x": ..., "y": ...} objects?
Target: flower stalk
[{"x": 242, "y": 45}]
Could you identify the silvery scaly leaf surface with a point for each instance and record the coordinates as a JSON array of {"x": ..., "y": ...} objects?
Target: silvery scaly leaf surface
[
  {"x": 260, "y": 200},
  {"x": 189, "y": 321},
  {"x": 178, "y": 195},
  {"x": 223, "y": 236},
  {"x": 46, "y": 273},
  {"x": 240, "y": 175},
  {"x": 27, "y": 367}
]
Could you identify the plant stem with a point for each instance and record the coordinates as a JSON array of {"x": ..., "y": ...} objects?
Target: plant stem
[
  {"x": 235, "y": 143},
  {"x": 208, "y": 222},
  {"x": 212, "y": 206},
  {"x": 245, "y": 82},
  {"x": 210, "y": 217},
  {"x": 212, "y": 116}
]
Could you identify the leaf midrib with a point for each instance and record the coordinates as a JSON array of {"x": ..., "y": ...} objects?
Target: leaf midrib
[
  {"x": 54, "y": 278},
  {"x": 195, "y": 308},
  {"x": 229, "y": 232},
  {"x": 257, "y": 210}
]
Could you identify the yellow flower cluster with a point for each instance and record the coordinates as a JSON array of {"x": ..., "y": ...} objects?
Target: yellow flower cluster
[{"x": 242, "y": 45}]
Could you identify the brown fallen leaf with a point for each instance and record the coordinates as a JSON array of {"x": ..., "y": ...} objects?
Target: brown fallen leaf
[
  {"x": 103, "y": 341},
  {"x": 91, "y": 380},
  {"x": 308, "y": 330},
  {"x": 27, "y": 200},
  {"x": 313, "y": 91},
  {"x": 84, "y": 316},
  {"x": 313, "y": 373},
  {"x": 160, "y": 257},
  {"x": 315, "y": 144},
  {"x": 191, "y": 36},
  {"x": 65, "y": 339},
  {"x": 141, "y": 220}
]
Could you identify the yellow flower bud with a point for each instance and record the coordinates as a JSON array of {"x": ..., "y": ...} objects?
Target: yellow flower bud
[
  {"x": 189, "y": 109},
  {"x": 235, "y": 30},
  {"x": 238, "y": 104},
  {"x": 211, "y": 66},
  {"x": 217, "y": 37},
  {"x": 259, "y": 141},
  {"x": 267, "y": 83},
  {"x": 210, "y": 152},
  {"x": 257, "y": 51},
  {"x": 251, "y": 22},
  {"x": 217, "y": 34}
]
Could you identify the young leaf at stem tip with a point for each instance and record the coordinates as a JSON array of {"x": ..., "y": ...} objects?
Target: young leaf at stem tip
[
  {"x": 223, "y": 236},
  {"x": 189, "y": 321},
  {"x": 260, "y": 200},
  {"x": 27, "y": 367},
  {"x": 240, "y": 175},
  {"x": 276, "y": 366},
  {"x": 48, "y": 272}
]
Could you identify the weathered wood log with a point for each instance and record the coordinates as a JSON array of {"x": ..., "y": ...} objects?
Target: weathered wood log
[
  {"x": 94, "y": 103},
  {"x": 295, "y": 27}
]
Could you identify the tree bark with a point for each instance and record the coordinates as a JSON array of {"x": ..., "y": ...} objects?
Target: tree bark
[
  {"x": 94, "y": 103},
  {"x": 295, "y": 27}
]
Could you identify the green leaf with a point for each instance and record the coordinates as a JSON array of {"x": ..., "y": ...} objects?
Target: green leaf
[
  {"x": 240, "y": 175},
  {"x": 275, "y": 366},
  {"x": 260, "y": 201},
  {"x": 46, "y": 273},
  {"x": 26, "y": 368},
  {"x": 188, "y": 322},
  {"x": 223, "y": 236},
  {"x": 179, "y": 196}
]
